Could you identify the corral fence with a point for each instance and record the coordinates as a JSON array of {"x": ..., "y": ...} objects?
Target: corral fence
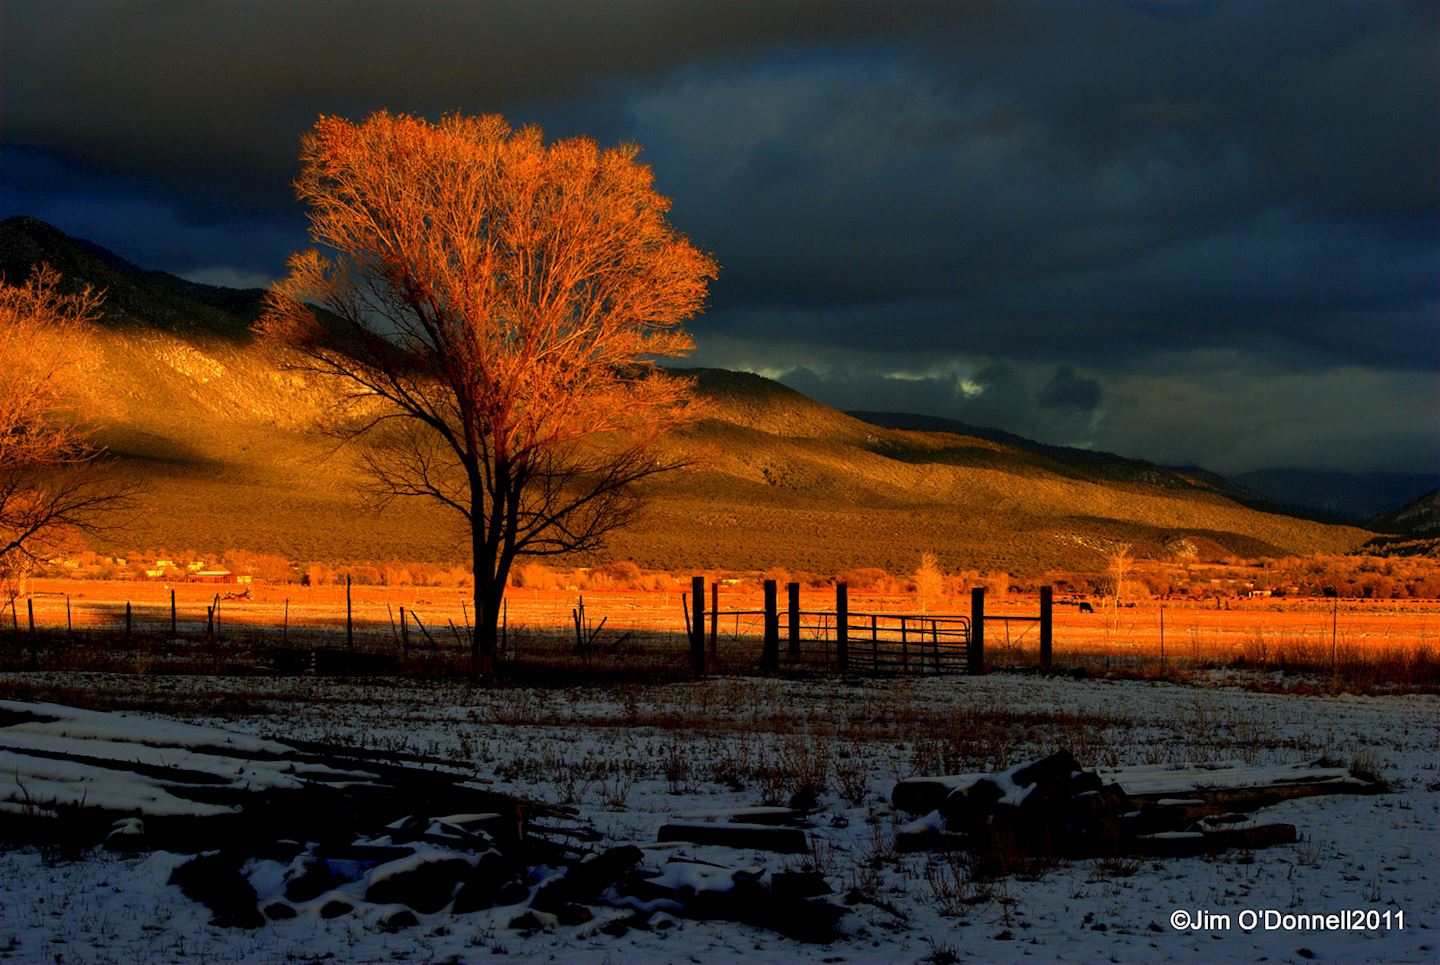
[
  {"x": 795, "y": 639},
  {"x": 846, "y": 641}
]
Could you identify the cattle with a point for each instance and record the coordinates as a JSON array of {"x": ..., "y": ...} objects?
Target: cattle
[{"x": 1086, "y": 608}]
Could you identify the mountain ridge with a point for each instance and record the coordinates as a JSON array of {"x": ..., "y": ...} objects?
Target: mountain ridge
[
  {"x": 225, "y": 443},
  {"x": 1342, "y": 496}
]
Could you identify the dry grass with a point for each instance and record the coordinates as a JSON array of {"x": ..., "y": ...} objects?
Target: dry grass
[{"x": 1301, "y": 645}]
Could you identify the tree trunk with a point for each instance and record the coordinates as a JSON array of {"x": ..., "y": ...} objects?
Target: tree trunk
[
  {"x": 487, "y": 621},
  {"x": 483, "y": 641},
  {"x": 491, "y": 571}
]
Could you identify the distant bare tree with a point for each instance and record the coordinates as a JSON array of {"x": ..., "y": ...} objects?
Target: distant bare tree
[
  {"x": 50, "y": 486},
  {"x": 1118, "y": 577},
  {"x": 929, "y": 582},
  {"x": 492, "y": 308}
]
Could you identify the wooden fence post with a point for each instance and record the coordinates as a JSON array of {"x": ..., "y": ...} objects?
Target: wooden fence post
[
  {"x": 34, "y": 641},
  {"x": 127, "y": 619},
  {"x": 69, "y": 626},
  {"x": 697, "y": 626},
  {"x": 172, "y": 612},
  {"x": 1047, "y": 605},
  {"x": 874, "y": 644},
  {"x": 842, "y": 626},
  {"x": 349, "y": 622},
  {"x": 1162, "y": 635},
  {"x": 792, "y": 602},
  {"x": 715, "y": 622},
  {"x": 770, "y": 655},
  {"x": 404, "y": 632},
  {"x": 976, "y": 651}
]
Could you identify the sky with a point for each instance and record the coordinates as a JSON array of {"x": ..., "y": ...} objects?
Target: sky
[{"x": 1200, "y": 232}]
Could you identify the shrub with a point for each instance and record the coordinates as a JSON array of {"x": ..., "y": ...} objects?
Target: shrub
[{"x": 867, "y": 579}]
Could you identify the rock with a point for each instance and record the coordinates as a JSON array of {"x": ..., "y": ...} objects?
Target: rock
[
  {"x": 1054, "y": 769},
  {"x": 533, "y": 920},
  {"x": 1095, "y": 825},
  {"x": 308, "y": 878},
  {"x": 969, "y": 807},
  {"x": 407, "y": 829},
  {"x": 472, "y": 898},
  {"x": 573, "y": 913},
  {"x": 782, "y": 901},
  {"x": 396, "y": 920},
  {"x": 425, "y": 881},
  {"x": 216, "y": 882},
  {"x": 127, "y": 836},
  {"x": 585, "y": 881},
  {"x": 279, "y": 911},
  {"x": 364, "y": 854},
  {"x": 512, "y": 893},
  {"x": 493, "y": 881},
  {"x": 921, "y": 795},
  {"x": 335, "y": 907}
]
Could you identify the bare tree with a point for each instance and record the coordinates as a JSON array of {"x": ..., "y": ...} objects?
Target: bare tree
[
  {"x": 493, "y": 306},
  {"x": 929, "y": 582},
  {"x": 51, "y": 488},
  {"x": 1118, "y": 577}
]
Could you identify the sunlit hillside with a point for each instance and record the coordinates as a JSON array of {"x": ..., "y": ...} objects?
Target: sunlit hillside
[{"x": 226, "y": 445}]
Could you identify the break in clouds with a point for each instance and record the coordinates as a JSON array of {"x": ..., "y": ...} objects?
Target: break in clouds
[{"x": 1195, "y": 232}]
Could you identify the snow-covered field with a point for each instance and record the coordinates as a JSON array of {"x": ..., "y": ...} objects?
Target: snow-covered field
[{"x": 632, "y": 758}]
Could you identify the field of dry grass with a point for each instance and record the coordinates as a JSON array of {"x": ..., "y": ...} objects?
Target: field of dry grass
[{"x": 1383, "y": 644}]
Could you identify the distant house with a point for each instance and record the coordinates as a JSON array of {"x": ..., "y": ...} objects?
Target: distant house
[
  {"x": 213, "y": 576},
  {"x": 156, "y": 573}
]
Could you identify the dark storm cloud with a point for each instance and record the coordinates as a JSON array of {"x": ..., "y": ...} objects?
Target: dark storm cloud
[
  {"x": 1066, "y": 390},
  {"x": 160, "y": 90},
  {"x": 1118, "y": 203}
]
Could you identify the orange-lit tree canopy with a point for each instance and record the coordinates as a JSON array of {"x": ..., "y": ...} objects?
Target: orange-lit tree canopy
[
  {"x": 494, "y": 305},
  {"x": 48, "y": 485}
]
